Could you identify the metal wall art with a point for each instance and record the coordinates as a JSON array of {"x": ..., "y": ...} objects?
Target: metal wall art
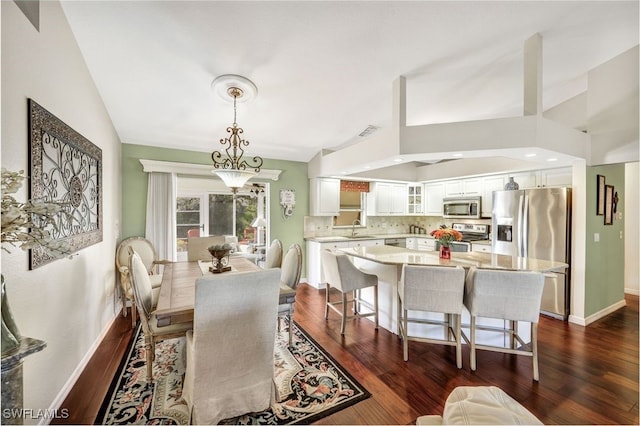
[{"x": 65, "y": 168}]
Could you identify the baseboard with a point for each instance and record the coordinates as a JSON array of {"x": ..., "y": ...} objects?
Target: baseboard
[
  {"x": 64, "y": 392},
  {"x": 633, "y": 291},
  {"x": 600, "y": 314}
]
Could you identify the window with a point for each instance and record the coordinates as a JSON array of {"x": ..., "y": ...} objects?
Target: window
[{"x": 208, "y": 206}]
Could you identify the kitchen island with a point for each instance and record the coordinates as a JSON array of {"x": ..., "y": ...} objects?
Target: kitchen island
[{"x": 386, "y": 262}]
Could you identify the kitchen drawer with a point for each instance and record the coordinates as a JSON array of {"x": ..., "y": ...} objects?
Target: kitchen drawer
[{"x": 482, "y": 248}]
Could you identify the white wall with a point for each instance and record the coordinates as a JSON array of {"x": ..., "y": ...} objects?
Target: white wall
[
  {"x": 631, "y": 229},
  {"x": 67, "y": 303}
]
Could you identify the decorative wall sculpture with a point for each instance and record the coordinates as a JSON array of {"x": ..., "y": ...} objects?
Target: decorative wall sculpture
[{"x": 65, "y": 168}]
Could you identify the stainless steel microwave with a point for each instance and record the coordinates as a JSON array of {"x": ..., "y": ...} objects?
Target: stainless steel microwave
[{"x": 461, "y": 208}]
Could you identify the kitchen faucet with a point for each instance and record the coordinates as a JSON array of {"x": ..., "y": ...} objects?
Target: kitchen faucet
[{"x": 353, "y": 227}]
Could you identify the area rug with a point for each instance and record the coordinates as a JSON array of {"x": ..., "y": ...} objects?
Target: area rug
[{"x": 313, "y": 384}]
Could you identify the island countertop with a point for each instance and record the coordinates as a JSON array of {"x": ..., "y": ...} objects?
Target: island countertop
[{"x": 390, "y": 255}]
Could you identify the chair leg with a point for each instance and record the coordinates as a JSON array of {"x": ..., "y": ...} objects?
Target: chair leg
[
  {"x": 534, "y": 349},
  {"x": 326, "y": 304},
  {"x": 134, "y": 310},
  {"x": 375, "y": 304},
  {"x": 458, "y": 319},
  {"x": 356, "y": 301},
  {"x": 513, "y": 326},
  {"x": 472, "y": 345},
  {"x": 344, "y": 312},
  {"x": 405, "y": 338},
  {"x": 290, "y": 324},
  {"x": 149, "y": 347}
]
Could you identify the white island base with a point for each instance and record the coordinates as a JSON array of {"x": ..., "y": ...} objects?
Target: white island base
[{"x": 388, "y": 277}]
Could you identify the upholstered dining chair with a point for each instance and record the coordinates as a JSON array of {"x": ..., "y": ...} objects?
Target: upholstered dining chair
[
  {"x": 345, "y": 277},
  {"x": 230, "y": 352},
  {"x": 149, "y": 258},
  {"x": 507, "y": 295},
  {"x": 143, "y": 296},
  {"x": 289, "y": 277},
  {"x": 274, "y": 255},
  {"x": 197, "y": 247},
  {"x": 436, "y": 289}
]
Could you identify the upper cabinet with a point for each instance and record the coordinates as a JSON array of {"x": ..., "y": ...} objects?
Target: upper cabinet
[
  {"x": 415, "y": 199},
  {"x": 490, "y": 184},
  {"x": 463, "y": 187},
  {"x": 544, "y": 178},
  {"x": 433, "y": 195},
  {"x": 387, "y": 199},
  {"x": 324, "y": 197}
]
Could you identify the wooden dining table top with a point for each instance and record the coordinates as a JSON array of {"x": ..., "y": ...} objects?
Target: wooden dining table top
[{"x": 178, "y": 288}]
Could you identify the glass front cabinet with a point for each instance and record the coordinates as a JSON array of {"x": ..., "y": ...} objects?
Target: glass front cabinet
[{"x": 415, "y": 202}]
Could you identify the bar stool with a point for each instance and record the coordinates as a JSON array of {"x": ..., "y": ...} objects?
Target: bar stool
[
  {"x": 345, "y": 277},
  {"x": 431, "y": 289},
  {"x": 507, "y": 295}
]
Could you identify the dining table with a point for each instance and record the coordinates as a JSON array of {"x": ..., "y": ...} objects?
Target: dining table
[{"x": 177, "y": 292}]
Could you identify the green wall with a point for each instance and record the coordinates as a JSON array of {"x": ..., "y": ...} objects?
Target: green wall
[
  {"x": 134, "y": 191},
  {"x": 604, "y": 275}
]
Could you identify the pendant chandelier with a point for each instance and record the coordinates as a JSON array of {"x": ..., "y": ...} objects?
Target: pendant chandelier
[{"x": 228, "y": 163}]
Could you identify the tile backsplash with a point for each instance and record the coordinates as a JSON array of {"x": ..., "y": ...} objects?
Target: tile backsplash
[{"x": 321, "y": 226}]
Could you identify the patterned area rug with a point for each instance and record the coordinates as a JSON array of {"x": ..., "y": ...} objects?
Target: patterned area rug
[{"x": 310, "y": 382}]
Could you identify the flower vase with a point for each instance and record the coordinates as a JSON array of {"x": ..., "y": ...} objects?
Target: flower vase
[{"x": 445, "y": 252}]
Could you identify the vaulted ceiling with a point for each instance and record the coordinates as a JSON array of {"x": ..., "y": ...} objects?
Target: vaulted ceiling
[{"x": 324, "y": 69}]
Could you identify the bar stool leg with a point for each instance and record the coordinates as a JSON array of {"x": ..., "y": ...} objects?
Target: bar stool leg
[
  {"x": 472, "y": 345},
  {"x": 375, "y": 304},
  {"x": 327, "y": 301},
  {"x": 457, "y": 319},
  {"x": 534, "y": 349},
  {"x": 344, "y": 312}
]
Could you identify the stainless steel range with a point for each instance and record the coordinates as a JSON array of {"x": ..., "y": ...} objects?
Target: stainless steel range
[{"x": 470, "y": 232}]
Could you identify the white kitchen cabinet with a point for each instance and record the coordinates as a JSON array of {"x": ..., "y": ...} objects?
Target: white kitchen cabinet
[
  {"x": 463, "y": 187},
  {"x": 412, "y": 243},
  {"x": 543, "y": 178},
  {"x": 315, "y": 274},
  {"x": 324, "y": 197},
  {"x": 387, "y": 199},
  {"x": 556, "y": 177},
  {"x": 433, "y": 195},
  {"x": 415, "y": 199},
  {"x": 426, "y": 244},
  {"x": 490, "y": 184}
]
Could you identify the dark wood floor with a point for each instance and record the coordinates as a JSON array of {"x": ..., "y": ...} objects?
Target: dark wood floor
[{"x": 588, "y": 375}]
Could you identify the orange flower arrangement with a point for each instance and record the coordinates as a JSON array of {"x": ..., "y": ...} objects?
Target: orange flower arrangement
[{"x": 446, "y": 235}]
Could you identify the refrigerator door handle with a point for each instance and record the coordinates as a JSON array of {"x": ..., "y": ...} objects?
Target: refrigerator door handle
[
  {"x": 525, "y": 227},
  {"x": 519, "y": 229}
]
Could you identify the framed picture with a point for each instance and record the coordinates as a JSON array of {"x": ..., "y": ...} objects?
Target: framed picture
[
  {"x": 600, "y": 195},
  {"x": 608, "y": 201},
  {"x": 65, "y": 168}
]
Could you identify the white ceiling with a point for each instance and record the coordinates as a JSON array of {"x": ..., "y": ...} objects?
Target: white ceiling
[{"x": 324, "y": 69}]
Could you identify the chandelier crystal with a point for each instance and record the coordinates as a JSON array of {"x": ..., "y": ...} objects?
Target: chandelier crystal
[{"x": 232, "y": 168}]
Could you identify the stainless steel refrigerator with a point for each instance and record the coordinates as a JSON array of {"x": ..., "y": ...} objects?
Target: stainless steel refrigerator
[{"x": 536, "y": 223}]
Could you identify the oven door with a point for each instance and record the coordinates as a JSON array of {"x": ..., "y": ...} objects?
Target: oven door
[{"x": 457, "y": 246}]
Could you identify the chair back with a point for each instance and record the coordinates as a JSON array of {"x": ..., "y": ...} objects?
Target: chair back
[
  {"x": 141, "y": 283},
  {"x": 342, "y": 274},
  {"x": 197, "y": 247},
  {"x": 432, "y": 288},
  {"x": 140, "y": 245},
  {"x": 504, "y": 294},
  {"x": 233, "y": 344},
  {"x": 274, "y": 255},
  {"x": 291, "y": 266}
]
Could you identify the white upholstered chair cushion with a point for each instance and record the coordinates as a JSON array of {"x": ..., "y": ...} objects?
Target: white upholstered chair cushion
[{"x": 481, "y": 405}]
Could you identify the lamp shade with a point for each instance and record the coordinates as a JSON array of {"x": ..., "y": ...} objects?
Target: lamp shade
[
  {"x": 234, "y": 178},
  {"x": 259, "y": 222}
]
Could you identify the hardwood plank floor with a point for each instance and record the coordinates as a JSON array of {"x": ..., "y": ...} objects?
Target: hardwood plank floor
[{"x": 588, "y": 375}]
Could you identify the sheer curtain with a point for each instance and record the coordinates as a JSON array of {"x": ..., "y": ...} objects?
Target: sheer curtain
[{"x": 161, "y": 214}]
